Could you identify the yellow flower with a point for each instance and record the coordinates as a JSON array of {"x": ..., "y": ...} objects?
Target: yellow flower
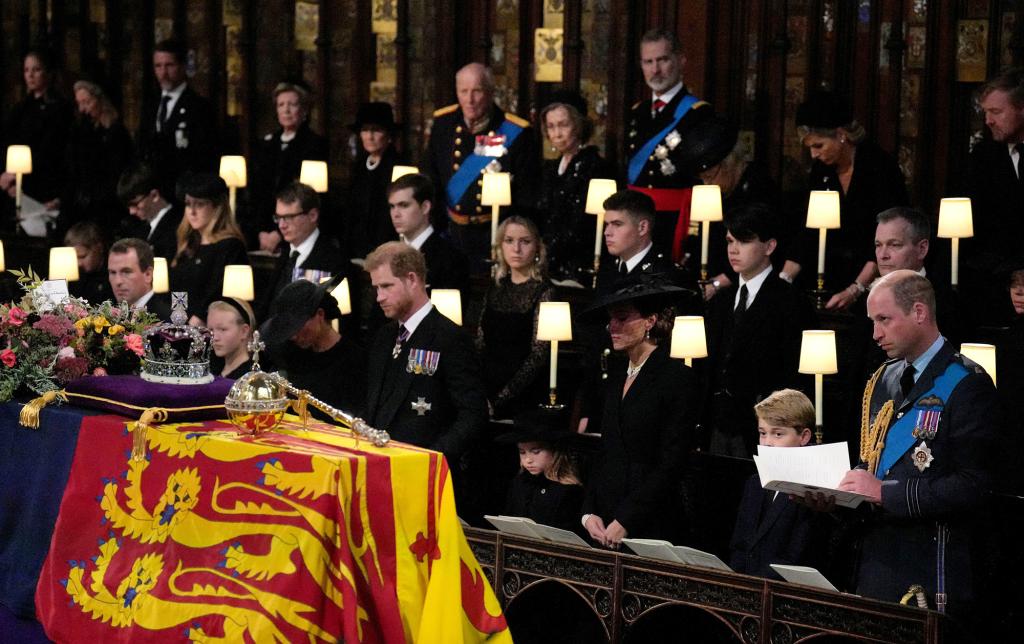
[
  {"x": 81, "y": 323},
  {"x": 98, "y": 323},
  {"x": 115, "y": 329}
]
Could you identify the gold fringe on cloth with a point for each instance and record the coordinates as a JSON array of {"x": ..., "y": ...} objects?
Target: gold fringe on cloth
[
  {"x": 140, "y": 428},
  {"x": 872, "y": 435},
  {"x": 29, "y": 416}
]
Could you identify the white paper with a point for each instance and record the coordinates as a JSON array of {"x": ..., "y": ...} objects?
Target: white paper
[
  {"x": 665, "y": 551},
  {"x": 694, "y": 557},
  {"x": 55, "y": 292},
  {"x": 804, "y": 575},
  {"x": 525, "y": 527},
  {"x": 35, "y": 217},
  {"x": 813, "y": 468}
]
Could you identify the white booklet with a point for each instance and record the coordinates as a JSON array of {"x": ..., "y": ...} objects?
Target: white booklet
[
  {"x": 525, "y": 527},
  {"x": 665, "y": 551},
  {"x": 804, "y": 575},
  {"x": 812, "y": 468}
]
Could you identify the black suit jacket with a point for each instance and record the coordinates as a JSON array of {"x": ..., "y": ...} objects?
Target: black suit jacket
[
  {"x": 947, "y": 499},
  {"x": 784, "y": 533},
  {"x": 455, "y": 393},
  {"x": 644, "y": 437},
  {"x": 164, "y": 239},
  {"x": 653, "y": 262},
  {"x": 187, "y": 141},
  {"x": 750, "y": 361},
  {"x": 160, "y": 306},
  {"x": 447, "y": 266},
  {"x": 325, "y": 256}
]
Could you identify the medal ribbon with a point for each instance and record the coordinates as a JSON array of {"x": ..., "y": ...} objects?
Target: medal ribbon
[
  {"x": 901, "y": 435},
  {"x": 475, "y": 163}
]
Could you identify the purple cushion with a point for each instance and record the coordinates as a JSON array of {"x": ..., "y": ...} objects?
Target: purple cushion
[{"x": 118, "y": 392}]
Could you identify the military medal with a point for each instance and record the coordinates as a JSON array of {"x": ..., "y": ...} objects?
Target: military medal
[
  {"x": 422, "y": 362},
  {"x": 667, "y": 167},
  {"x": 421, "y": 406},
  {"x": 929, "y": 413},
  {"x": 490, "y": 145},
  {"x": 673, "y": 139},
  {"x": 922, "y": 457},
  {"x": 661, "y": 152}
]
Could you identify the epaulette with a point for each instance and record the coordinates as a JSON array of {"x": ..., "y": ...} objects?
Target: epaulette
[
  {"x": 635, "y": 105},
  {"x": 968, "y": 364},
  {"x": 447, "y": 109},
  {"x": 518, "y": 120},
  {"x": 699, "y": 104}
]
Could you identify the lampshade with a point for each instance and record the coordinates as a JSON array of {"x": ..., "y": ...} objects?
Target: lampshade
[
  {"x": 983, "y": 354},
  {"x": 555, "y": 321},
  {"x": 818, "y": 352},
  {"x": 823, "y": 209},
  {"x": 448, "y": 302},
  {"x": 238, "y": 282},
  {"x": 19, "y": 159},
  {"x": 597, "y": 191},
  {"x": 341, "y": 294},
  {"x": 955, "y": 218},
  {"x": 63, "y": 263},
  {"x": 161, "y": 283},
  {"x": 497, "y": 189},
  {"x": 688, "y": 339},
  {"x": 706, "y": 203},
  {"x": 314, "y": 175},
  {"x": 232, "y": 170},
  {"x": 3, "y": 267},
  {"x": 402, "y": 170}
]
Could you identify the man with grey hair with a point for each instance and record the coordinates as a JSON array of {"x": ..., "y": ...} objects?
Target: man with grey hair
[
  {"x": 658, "y": 135},
  {"x": 469, "y": 138},
  {"x": 928, "y": 450}
]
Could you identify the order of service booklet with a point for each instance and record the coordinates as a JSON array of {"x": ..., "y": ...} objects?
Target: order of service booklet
[
  {"x": 665, "y": 551},
  {"x": 525, "y": 527},
  {"x": 812, "y": 468}
]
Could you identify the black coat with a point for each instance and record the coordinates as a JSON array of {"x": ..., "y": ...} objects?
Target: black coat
[
  {"x": 202, "y": 274},
  {"x": 163, "y": 239},
  {"x": 273, "y": 168},
  {"x": 455, "y": 393},
  {"x": 44, "y": 125},
  {"x": 367, "y": 214},
  {"x": 642, "y": 127},
  {"x": 783, "y": 533},
  {"x": 326, "y": 256},
  {"x": 188, "y": 141},
  {"x": 160, "y": 305},
  {"x": 750, "y": 361},
  {"x": 644, "y": 439},
  {"x": 451, "y": 143},
  {"x": 900, "y": 543},
  {"x": 447, "y": 266},
  {"x": 545, "y": 501}
]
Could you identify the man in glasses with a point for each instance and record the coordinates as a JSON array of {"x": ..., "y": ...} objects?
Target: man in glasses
[{"x": 305, "y": 251}]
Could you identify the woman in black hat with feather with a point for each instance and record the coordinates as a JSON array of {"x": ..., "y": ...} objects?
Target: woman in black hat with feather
[{"x": 648, "y": 422}]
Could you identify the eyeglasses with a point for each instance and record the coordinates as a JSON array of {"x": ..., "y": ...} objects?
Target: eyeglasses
[{"x": 278, "y": 219}]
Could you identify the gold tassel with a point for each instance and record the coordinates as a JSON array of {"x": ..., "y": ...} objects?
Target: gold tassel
[
  {"x": 141, "y": 429},
  {"x": 29, "y": 416}
]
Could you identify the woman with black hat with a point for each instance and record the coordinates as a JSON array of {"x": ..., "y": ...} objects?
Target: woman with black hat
[
  {"x": 868, "y": 180},
  {"x": 648, "y": 419},
  {"x": 208, "y": 240},
  {"x": 277, "y": 160},
  {"x": 369, "y": 220},
  {"x": 564, "y": 183}
]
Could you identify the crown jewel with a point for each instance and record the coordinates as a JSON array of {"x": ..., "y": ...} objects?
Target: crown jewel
[{"x": 175, "y": 352}]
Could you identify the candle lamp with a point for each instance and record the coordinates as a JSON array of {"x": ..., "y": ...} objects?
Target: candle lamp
[
  {"x": 818, "y": 357},
  {"x": 402, "y": 170},
  {"x": 598, "y": 190},
  {"x": 983, "y": 354},
  {"x": 495, "y": 192},
  {"x": 238, "y": 282},
  {"x": 314, "y": 175},
  {"x": 161, "y": 282},
  {"x": 232, "y": 171},
  {"x": 342, "y": 296},
  {"x": 688, "y": 339},
  {"x": 705, "y": 207},
  {"x": 19, "y": 163},
  {"x": 448, "y": 302},
  {"x": 63, "y": 264},
  {"x": 3, "y": 267},
  {"x": 955, "y": 222},
  {"x": 823, "y": 214},
  {"x": 554, "y": 324}
]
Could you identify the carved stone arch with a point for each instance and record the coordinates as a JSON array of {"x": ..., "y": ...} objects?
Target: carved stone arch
[
  {"x": 649, "y": 623},
  {"x": 576, "y": 608}
]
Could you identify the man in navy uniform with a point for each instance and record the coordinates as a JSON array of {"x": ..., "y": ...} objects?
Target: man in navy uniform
[
  {"x": 178, "y": 132},
  {"x": 471, "y": 137},
  {"x": 930, "y": 453},
  {"x": 658, "y": 135}
]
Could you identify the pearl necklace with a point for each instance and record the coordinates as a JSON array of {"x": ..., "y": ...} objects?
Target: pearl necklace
[
  {"x": 632, "y": 371},
  {"x": 370, "y": 165}
]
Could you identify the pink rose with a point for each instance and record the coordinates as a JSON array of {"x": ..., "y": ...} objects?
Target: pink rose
[
  {"x": 134, "y": 343},
  {"x": 16, "y": 317},
  {"x": 66, "y": 352},
  {"x": 8, "y": 357},
  {"x": 99, "y": 371}
]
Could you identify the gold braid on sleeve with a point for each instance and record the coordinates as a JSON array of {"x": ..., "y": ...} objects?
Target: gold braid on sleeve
[{"x": 872, "y": 435}]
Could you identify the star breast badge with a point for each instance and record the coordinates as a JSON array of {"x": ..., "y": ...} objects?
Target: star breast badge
[
  {"x": 922, "y": 457},
  {"x": 421, "y": 406}
]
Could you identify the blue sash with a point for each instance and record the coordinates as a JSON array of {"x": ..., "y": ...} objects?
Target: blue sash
[
  {"x": 475, "y": 163},
  {"x": 639, "y": 160},
  {"x": 901, "y": 434}
]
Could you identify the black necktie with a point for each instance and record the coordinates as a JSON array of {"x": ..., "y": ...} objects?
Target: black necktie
[
  {"x": 161, "y": 117},
  {"x": 1020, "y": 160},
  {"x": 290, "y": 269},
  {"x": 623, "y": 269},
  {"x": 907, "y": 380},
  {"x": 741, "y": 306}
]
